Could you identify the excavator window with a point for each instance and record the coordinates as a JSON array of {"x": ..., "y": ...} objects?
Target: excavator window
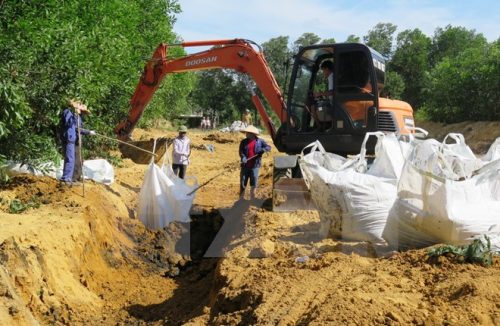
[{"x": 352, "y": 95}]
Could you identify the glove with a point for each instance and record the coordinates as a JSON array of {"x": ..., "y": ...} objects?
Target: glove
[
  {"x": 92, "y": 133},
  {"x": 244, "y": 160}
]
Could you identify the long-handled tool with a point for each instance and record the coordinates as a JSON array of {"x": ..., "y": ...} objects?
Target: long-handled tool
[
  {"x": 125, "y": 143},
  {"x": 217, "y": 175},
  {"x": 80, "y": 151}
]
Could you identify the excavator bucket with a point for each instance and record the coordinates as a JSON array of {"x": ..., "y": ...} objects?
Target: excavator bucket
[
  {"x": 290, "y": 193},
  {"x": 142, "y": 157}
]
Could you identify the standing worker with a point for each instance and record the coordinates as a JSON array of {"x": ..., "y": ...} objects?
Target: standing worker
[
  {"x": 251, "y": 150},
  {"x": 181, "y": 153},
  {"x": 71, "y": 121},
  {"x": 247, "y": 118}
]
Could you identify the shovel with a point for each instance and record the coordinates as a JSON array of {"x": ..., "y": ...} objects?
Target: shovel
[{"x": 216, "y": 176}]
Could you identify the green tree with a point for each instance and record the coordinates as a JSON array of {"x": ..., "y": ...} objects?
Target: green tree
[
  {"x": 451, "y": 41},
  {"x": 465, "y": 87},
  {"x": 411, "y": 62},
  {"x": 380, "y": 38},
  {"x": 278, "y": 55},
  {"x": 328, "y": 41},
  {"x": 223, "y": 91},
  {"x": 52, "y": 50},
  {"x": 394, "y": 86},
  {"x": 305, "y": 39},
  {"x": 353, "y": 39}
]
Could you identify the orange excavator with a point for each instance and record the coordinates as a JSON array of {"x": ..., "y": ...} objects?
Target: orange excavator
[{"x": 354, "y": 109}]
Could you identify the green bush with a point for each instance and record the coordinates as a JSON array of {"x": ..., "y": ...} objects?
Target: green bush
[
  {"x": 465, "y": 87},
  {"x": 94, "y": 51}
]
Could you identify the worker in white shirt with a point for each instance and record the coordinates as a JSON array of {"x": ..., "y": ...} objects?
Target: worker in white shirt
[{"x": 181, "y": 153}]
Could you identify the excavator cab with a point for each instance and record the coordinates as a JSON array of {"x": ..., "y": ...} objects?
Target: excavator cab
[{"x": 352, "y": 110}]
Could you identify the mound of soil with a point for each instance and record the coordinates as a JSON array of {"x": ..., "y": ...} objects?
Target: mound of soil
[
  {"x": 222, "y": 138},
  {"x": 478, "y": 135}
]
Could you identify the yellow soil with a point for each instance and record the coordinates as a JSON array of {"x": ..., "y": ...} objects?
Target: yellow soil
[{"x": 88, "y": 260}]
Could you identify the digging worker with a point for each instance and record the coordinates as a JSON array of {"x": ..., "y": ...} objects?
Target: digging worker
[
  {"x": 247, "y": 118},
  {"x": 181, "y": 153},
  {"x": 251, "y": 150},
  {"x": 71, "y": 121}
]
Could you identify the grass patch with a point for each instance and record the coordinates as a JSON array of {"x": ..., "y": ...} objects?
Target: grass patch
[
  {"x": 16, "y": 206},
  {"x": 477, "y": 252}
]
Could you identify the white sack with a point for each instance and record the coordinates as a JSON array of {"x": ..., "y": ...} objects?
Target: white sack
[
  {"x": 494, "y": 152},
  {"x": 164, "y": 196},
  {"x": 178, "y": 194},
  {"x": 98, "y": 170},
  {"x": 354, "y": 201},
  {"x": 440, "y": 200},
  {"x": 47, "y": 168},
  {"x": 155, "y": 210}
]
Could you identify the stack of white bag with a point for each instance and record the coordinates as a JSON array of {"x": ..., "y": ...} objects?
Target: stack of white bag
[
  {"x": 354, "y": 201},
  {"x": 164, "y": 197},
  {"x": 446, "y": 195}
]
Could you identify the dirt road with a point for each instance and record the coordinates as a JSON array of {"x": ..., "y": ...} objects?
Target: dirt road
[{"x": 89, "y": 260}]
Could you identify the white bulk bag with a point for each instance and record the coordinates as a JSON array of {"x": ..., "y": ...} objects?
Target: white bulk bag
[
  {"x": 155, "y": 208},
  {"x": 494, "y": 152},
  {"x": 440, "y": 200},
  {"x": 181, "y": 202},
  {"x": 354, "y": 201},
  {"x": 164, "y": 197},
  {"x": 99, "y": 170}
]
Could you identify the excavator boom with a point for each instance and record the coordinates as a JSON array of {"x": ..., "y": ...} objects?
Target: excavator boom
[{"x": 236, "y": 54}]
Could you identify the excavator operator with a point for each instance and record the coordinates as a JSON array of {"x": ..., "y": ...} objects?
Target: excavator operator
[{"x": 321, "y": 110}]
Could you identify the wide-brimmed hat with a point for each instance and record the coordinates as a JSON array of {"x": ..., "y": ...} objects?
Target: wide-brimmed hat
[
  {"x": 183, "y": 129},
  {"x": 79, "y": 106},
  {"x": 251, "y": 129}
]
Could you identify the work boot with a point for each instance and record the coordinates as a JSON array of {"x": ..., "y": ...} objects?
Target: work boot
[{"x": 65, "y": 183}]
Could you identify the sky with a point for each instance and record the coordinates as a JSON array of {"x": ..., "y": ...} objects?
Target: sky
[{"x": 261, "y": 20}]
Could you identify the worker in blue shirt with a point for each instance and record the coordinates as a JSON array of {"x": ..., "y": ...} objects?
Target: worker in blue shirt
[{"x": 71, "y": 120}]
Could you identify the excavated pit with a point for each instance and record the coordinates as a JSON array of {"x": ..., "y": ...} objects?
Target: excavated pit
[{"x": 193, "y": 274}]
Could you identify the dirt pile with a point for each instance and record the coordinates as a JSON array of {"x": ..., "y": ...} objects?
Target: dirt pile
[
  {"x": 308, "y": 280},
  {"x": 78, "y": 260},
  {"x": 478, "y": 135}
]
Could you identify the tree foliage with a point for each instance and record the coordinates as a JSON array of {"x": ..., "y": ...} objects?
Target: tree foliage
[
  {"x": 380, "y": 38},
  {"x": 278, "y": 56},
  {"x": 451, "y": 41},
  {"x": 223, "y": 91},
  {"x": 305, "y": 40},
  {"x": 94, "y": 51},
  {"x": 411, "y": 62},
  {"x": 353, "y": 39},
  {"x": 465, "y": 87}
]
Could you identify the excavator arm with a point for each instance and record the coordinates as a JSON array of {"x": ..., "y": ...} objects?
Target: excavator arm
[{"x": 236, "y": 54}]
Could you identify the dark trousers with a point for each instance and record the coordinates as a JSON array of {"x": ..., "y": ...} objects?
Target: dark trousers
[
  {"x": 179, "y": 170},
  {"x": 69, "y": 161},
  {"x": 246, "y": 174}
]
